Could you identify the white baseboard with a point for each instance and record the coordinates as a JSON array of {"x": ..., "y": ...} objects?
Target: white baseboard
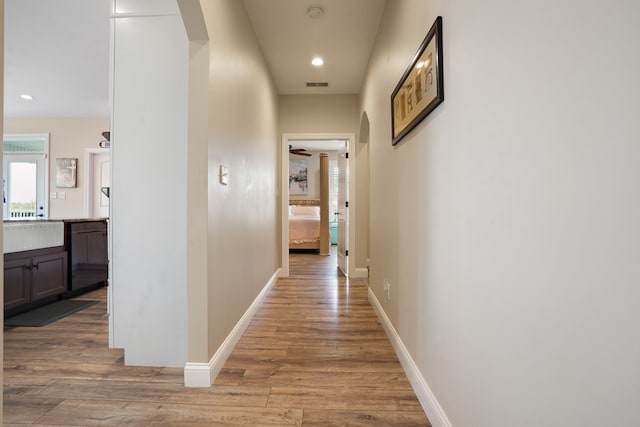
[
  {"x": 360, "y": 273},
  {"x": 203, "y": 374},
  {"x": 429, "y": 403},
  {"x": 197, "y": 375}
]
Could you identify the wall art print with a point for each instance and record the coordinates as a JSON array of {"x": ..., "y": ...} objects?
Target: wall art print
[
  {"x": 421, "y": 88},
  {"x": 298, "y": 183},
  {"x": 66, "y": 170}
]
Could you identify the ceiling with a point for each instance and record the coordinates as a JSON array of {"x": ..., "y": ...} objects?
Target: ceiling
[
  {"x": 342, "y": 35},
  {"x": 58, "y": 50}
]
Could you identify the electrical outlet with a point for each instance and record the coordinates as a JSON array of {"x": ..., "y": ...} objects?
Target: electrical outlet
[{"x": 387, "y": 288}]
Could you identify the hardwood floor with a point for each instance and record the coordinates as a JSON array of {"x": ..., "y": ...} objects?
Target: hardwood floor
[{"x": 314, "y": 355}]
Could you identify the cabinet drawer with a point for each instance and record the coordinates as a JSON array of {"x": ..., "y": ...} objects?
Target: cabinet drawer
[{"x": 78, "y": 227}]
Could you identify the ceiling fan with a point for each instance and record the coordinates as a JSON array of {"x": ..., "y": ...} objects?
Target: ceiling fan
[{"x": 298, "y": 151}]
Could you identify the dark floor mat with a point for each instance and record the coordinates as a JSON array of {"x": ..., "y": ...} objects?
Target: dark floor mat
[{"x": 49, "y": 313}]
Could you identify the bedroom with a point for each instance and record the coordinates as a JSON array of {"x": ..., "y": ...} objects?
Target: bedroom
[{"x": 315, "y": 210}]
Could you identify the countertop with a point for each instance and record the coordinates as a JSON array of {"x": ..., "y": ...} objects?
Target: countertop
[
  {"x": 25, "y": 220},
  {"x": 84, "y": 219}
]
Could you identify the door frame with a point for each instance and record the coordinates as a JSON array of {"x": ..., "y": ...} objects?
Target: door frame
[
  {"x": 284, "y": 193},
  {"x": 89, "y": 153}
]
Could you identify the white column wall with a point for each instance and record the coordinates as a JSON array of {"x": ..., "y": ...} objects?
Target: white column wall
[
  {"x": 149, "y": 134},
  {"x": 1, "y": 129}
]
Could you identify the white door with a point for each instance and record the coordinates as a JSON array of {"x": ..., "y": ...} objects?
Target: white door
[
  {"x": 343, "y": 210},
  {"x": 24, "y": 189},
  {"x": 100, "y": 185}
]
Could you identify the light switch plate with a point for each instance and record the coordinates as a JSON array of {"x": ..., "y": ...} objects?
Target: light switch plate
[
  {"x": 224, "y": 175},
  {"x": 53, "y": 195},
  {"x": 62, "y": 195}
]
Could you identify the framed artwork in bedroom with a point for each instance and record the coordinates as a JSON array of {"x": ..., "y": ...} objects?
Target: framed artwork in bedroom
[{"x": 298, "y": 180}]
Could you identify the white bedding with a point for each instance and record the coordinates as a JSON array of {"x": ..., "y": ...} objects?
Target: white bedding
[{"x": 304, "y": 228}]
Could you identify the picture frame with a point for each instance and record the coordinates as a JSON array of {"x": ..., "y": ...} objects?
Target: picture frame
[
  {"x": 66, "y": 173},
  {"x": 298, "y": 177},
  {"x": 421, "y": 87}
]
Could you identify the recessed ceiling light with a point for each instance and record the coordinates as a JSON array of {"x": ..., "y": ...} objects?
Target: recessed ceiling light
[
  {"x": 317, "y": 61},
  {"x": 26, "y": 96}
]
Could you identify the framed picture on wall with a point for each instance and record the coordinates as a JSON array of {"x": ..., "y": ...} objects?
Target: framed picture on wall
[
  {"x": 298, "y": 182},
  {"x": 66, "y": 173},
  {"x": 421, "y": 87}
]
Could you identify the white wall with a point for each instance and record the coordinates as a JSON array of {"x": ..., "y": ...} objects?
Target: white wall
[
  {"x": 68, "y": 137},
  {"x": 315, "y": 114},
  {"x": 243, "y": 239},
  {"x": 507, "y": 221},
  {"x": 318, "y": 113},
  {"x": 197, "y": 188},
  {"x": 160, "y": 167},
  {"x": 1, "y": 129},
  {"x": 149, "y": 170}
]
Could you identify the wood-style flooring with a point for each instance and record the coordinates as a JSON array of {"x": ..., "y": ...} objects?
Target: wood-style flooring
[{"x": 314, "y": 355}]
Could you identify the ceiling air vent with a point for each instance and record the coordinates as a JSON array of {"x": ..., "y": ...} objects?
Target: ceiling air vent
[{"x": 317, "y": 84}]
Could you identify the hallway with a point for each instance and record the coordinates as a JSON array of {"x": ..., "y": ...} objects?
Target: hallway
[{"x": 314, "y": 355}]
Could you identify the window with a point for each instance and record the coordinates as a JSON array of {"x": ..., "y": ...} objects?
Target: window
[{"x": 25, "y": 176}]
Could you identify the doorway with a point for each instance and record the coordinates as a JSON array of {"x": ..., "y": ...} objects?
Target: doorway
[
  {"x": 98, "y": 179},
  {"x": 25, "y": 176},
  {"x": 339, "y": 206}
]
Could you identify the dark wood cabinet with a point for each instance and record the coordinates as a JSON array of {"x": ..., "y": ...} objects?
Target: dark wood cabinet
[
  {"x": 86, "y": 243},
  {"x": 49, "y": 275},
  {"x": 33, "y": 276},
  {"x": 17, "y": 283}
]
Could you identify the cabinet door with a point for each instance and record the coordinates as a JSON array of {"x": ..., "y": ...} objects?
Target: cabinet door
[
  {"x": 89, "y": 254},
  {"x": 17, "y": 282},
  {"x": 49, "y": 275},
  {"x": 79, "y": 246},
  {"x": 97, "y": 247}
]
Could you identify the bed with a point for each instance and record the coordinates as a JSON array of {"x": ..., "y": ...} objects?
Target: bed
[{"x": 304, "y": 224}]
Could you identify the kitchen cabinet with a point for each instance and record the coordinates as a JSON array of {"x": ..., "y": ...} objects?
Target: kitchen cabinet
[
  {"x": 17, "y": 283},
  {"x": 86, "y": 242},
  {"x": 33, "y": 276}
]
